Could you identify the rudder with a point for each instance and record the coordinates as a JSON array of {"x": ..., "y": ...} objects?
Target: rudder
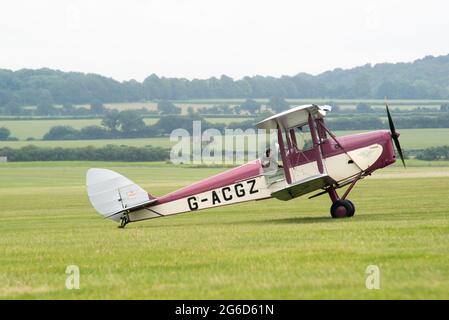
[{"x": 110, "y": 193}]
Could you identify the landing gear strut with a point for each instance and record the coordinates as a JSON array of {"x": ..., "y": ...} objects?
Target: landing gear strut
[
  {"x": 124, "y": 220},
  {"x": 341, "y": 208}
]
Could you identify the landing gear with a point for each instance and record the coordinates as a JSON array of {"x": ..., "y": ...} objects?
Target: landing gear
[
  {"x": 342, "y": 209},
  {"x": 124, "y": 220},
  {"x": 353, "y": 207}
]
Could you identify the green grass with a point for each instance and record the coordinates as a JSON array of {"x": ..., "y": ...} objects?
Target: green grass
[
  {"x": 259, "y": 250},
  {"x": 410, "y": 139}
]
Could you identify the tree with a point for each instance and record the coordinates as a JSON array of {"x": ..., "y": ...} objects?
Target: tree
[
  {"x": 69, "y": 109},
  {"x": 363, "y": 108},
  {"x": 44, "y": 109},
  {"x": 93, "y": 132},
  {"x": 97, "y": 107},
  {"x": 167, "y": 124},
  {"x": 111, "y": 120},
  {"x": 278, "y": 104},
  {"x": 5, "y": 95},
  {"x": 434, "y": 153},
  {"x": 44, "y": 96},
  {"x": 444, "y": 107},
  {"x": 13, "y": 108},
  {"x": 61, "y": 133},
  {"x": 190, "y": 111},
  {"x": 251, "y": 106},
  {"x": 90, "y": 153},
  {"x": 131, "y": 121},
  {"x": 4, "y": 133},
  {"x": 225, "y": 109},
  {"x": 167, "y": 107},
  {"x": 426, "y": 78}
]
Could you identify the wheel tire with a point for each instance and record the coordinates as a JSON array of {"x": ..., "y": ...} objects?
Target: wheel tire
[
  {"x": 353, "y": 207},
  {"x": 342, "y": 209}
]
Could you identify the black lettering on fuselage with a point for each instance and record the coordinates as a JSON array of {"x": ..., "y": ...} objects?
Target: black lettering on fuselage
[
  {"x": 228, "y": 196},
  {"x": 215, "y": 198},
  {"x": 193, "y": 204},
  {"x": 239, "y": 190},
  {"x": 252, "y": 190}
]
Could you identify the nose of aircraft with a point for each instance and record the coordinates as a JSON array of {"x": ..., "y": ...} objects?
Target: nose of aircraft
[{"x": 397, "y": 134}]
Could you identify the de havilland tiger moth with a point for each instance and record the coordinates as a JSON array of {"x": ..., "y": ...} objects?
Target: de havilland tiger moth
[{"x": 325, "y": 165}]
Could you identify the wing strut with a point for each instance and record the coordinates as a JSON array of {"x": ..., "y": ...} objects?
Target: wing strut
[
  {"x": 339, "y": 144},
  {"x": 316, "y": 144},
  {"x": 285, "y": 161}
]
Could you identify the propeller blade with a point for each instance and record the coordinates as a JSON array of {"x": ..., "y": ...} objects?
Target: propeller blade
[
  {"x": 395, "y": 136},
  {"x": 390, "y": 121},
  {"x": 398, "y": 147}
]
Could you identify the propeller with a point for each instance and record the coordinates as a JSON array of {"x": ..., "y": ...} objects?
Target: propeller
[{"x": 395, "y": 135}]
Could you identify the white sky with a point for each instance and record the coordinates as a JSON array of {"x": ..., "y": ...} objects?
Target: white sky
[{"x": 203, "y": 38}]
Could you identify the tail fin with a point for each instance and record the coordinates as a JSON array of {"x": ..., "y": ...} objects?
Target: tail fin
[{"x": 111, "y": 193}]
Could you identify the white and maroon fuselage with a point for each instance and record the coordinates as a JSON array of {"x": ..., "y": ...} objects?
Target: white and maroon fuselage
[
  {"x": 353, "y": 155},
  {"x": 327, "y": 165}
]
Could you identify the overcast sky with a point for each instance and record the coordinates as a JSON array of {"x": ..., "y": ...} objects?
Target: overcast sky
[{"x": 204, "y": 38}]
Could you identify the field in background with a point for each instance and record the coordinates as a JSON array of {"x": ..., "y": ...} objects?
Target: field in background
[
  {"x": 344, "y": 103},
  {"x": 156, "y": 142},
  {"x": 24, "y": 129},
  {"x": 204, "y": 103},
  {"x": 36, "y": 128},
  {"x": 259, "y": 250},
  {"x": 410, "y": 139}
]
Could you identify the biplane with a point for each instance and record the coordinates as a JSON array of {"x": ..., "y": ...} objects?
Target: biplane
[{"x": 324, "y": 165}]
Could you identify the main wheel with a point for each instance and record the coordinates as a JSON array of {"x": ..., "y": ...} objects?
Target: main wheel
[
  {"x": 342, "y": 209},
  {"x": 353, "y": 207}
]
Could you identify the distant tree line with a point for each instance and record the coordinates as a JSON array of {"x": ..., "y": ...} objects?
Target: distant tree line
[
  {"x": 67, "y": 110},
  {"x": 5, "y": 135},
  {"x": 366, "y": 108},
  {"x": 106, "y": 153},
  {"x": 130, "y": 124},
  {"x": 164, "y": 107},
  {"x": 147, "y": 153},
  {"x": 434, "y": 153},
  {"x": 426, "y": 78},
  {"x": 359, "y": 123}
]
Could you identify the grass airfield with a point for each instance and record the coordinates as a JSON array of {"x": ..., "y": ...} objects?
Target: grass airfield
[{"x": 257, "y": 250}]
